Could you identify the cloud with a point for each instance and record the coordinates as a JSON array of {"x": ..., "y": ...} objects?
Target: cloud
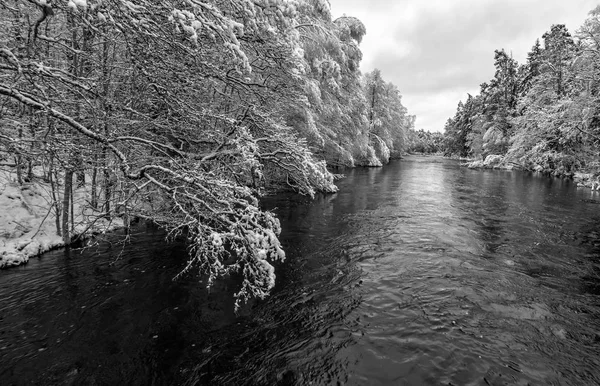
[
  {"x": 426, "y": 73},
  {"x": 453, "y": 47},
  {"x": 433, "y": 110}
]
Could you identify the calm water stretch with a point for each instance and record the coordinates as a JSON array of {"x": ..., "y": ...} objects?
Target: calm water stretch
[{"x": 418, "y": 273}]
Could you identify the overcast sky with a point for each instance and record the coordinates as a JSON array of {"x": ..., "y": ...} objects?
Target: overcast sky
[{"x": 437, "y": 51}]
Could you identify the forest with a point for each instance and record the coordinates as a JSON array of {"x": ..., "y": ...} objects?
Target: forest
[
  {"x": 185, "y": 112},
  {"x": 542, "y": 115},
  {"x": 424, "y": 142}
]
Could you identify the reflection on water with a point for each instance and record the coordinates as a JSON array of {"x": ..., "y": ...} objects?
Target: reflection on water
[{"x": 421, "y": 272}]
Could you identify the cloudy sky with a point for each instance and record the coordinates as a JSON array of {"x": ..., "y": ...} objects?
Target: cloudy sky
[{"x": 437, "y": 51}]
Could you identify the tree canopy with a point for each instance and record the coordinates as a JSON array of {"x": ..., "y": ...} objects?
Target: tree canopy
[{"x": 186, "y": 112}]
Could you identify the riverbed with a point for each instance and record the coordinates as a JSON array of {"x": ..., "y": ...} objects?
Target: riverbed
[{"x": 418, "y": 273}]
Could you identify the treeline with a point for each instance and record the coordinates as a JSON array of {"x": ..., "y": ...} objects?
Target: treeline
[
  {"x": 421, "y": 141},
  {"x": 543, "y": 115},
  {"x": 185, "y": 112}
]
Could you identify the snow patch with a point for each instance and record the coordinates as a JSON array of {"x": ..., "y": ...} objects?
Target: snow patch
[
  {"x": 492, "y": 161},
  {"x": 28, "y": 223}
]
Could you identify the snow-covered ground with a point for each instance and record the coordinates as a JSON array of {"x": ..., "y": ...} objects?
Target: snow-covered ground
[{"x": 28, "y": 224}]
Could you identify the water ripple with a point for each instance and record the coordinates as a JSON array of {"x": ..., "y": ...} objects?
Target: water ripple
[{"x": 418, "y": 273}]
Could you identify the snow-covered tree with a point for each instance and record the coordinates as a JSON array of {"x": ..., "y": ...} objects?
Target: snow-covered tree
[
  {"x": 184, "y": 113},
  {"x": 546, "y": 117},
  {"x": 172, "y": 102}
]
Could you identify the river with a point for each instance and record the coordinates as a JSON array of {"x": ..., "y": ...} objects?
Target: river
[{"x": 419, "y": 273}]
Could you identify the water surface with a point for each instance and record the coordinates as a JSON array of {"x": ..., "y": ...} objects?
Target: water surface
[{"x": 421, "y": 272}]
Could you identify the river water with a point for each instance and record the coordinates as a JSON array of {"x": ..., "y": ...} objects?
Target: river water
[{"x": 418, "y": 273}]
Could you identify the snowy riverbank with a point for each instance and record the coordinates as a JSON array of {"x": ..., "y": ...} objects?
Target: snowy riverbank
[
  {"x": 28, "y": 223},
  {"x": 581, "y": 178},
  {"x": 490, "y": 162}
]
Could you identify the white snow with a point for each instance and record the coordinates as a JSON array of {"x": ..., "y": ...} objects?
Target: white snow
[
  {"x": 80, "y": 3},
  {"x": 28, "y": 226},
  {"x": 75, "y": 5}
]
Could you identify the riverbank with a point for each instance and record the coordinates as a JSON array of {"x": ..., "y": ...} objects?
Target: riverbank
[
  {"x": 492, "y": 161},
  {"x": 582, "y": 178},
  {"x": 28, "y": 220}
]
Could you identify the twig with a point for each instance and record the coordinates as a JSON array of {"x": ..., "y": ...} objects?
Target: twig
[{"x": 42, "y": 223}]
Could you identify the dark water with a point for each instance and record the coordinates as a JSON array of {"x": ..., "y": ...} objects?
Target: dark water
[{"x": 419, "y": 273}]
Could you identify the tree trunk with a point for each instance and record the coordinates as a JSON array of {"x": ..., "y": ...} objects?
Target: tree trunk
[
  {"x": 19, "y": 161},
  {"x": 107, "y": 183},
  {"x": 94, "y": 202},
  {"x": 72, "y": 210},
  {"x": 54, "y": 186},
  {"x": 66, "y": 234}
]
